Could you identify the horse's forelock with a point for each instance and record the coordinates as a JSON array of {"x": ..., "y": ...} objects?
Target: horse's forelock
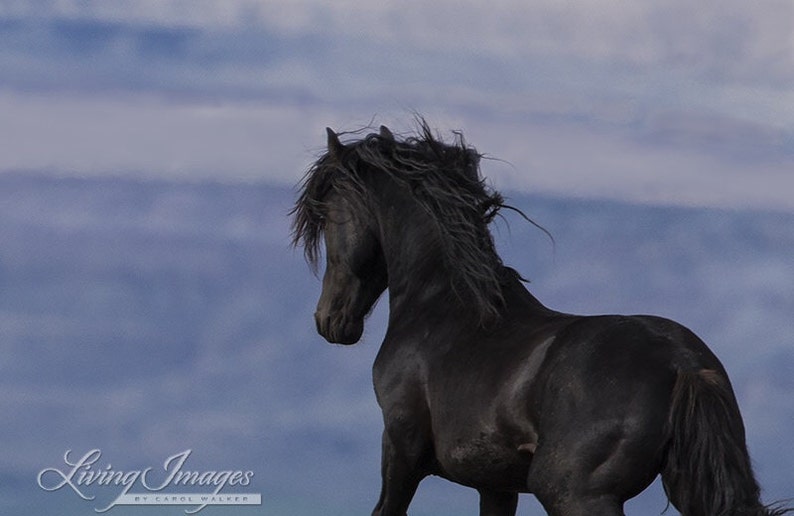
[{"x": 332, "y": 171}]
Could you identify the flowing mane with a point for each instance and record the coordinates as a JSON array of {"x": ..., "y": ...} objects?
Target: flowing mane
[{"x": 445, "y": 180}]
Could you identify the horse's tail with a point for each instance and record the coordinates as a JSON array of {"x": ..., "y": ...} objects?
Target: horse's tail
[{"x": 707, "y": 470}]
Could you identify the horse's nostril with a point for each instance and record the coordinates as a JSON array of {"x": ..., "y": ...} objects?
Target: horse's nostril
[{"x": 323, "y": 323}]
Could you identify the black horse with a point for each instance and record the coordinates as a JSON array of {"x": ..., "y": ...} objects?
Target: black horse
[{"x": 483, "y": 385}]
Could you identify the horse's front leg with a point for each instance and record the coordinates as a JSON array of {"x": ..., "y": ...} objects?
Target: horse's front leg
[
  {"x": 401, "y": 471},
  {"x": 495, "y": 503}
]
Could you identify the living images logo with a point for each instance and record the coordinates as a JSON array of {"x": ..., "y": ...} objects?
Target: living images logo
[{"x": 173, "y": 484}]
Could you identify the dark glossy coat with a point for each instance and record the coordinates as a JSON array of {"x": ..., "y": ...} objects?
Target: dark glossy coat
[{"x": 480, "y": 383}]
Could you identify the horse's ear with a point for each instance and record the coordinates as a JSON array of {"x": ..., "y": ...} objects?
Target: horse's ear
[
  {"x": 386, "y": 134},
  {"x": 335, "y": 147}
]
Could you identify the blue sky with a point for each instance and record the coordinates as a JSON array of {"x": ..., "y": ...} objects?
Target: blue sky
[
  {"x": 138, "y": 140},
  {"x": 662, "y": 103}
]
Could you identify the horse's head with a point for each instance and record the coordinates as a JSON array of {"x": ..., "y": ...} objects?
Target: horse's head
[
  {"x": 355, "y": 274},
  {"x": 416, "y": 202}
]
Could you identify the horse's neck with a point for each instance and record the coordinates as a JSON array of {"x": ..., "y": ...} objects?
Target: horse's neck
[
  {"x": 519, "y": 297},
  {"x": 417, "y": 273},
  {"x": 420, "y": 281},
  {"x": 419, "y": 276}
]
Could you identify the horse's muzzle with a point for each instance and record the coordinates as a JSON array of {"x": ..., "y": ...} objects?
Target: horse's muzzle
[{"x": 339, "y": 330}]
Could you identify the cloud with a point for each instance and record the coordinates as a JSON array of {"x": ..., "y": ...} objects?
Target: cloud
[
  {"x": 729, "y": 41},
  {"x": 671, "y": 159},
  {"x": 729, "y": 56},
  {"x": 147, "y": 136},
  {"x": 677, "y": 103},
  {"x": 676, "y": 32}
]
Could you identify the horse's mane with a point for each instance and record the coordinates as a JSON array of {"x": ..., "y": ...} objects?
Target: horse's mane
[{"x": 445, "y": 181}]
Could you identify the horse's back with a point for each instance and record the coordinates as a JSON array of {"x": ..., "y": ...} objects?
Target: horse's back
[{"x": 634, "y": 345}]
